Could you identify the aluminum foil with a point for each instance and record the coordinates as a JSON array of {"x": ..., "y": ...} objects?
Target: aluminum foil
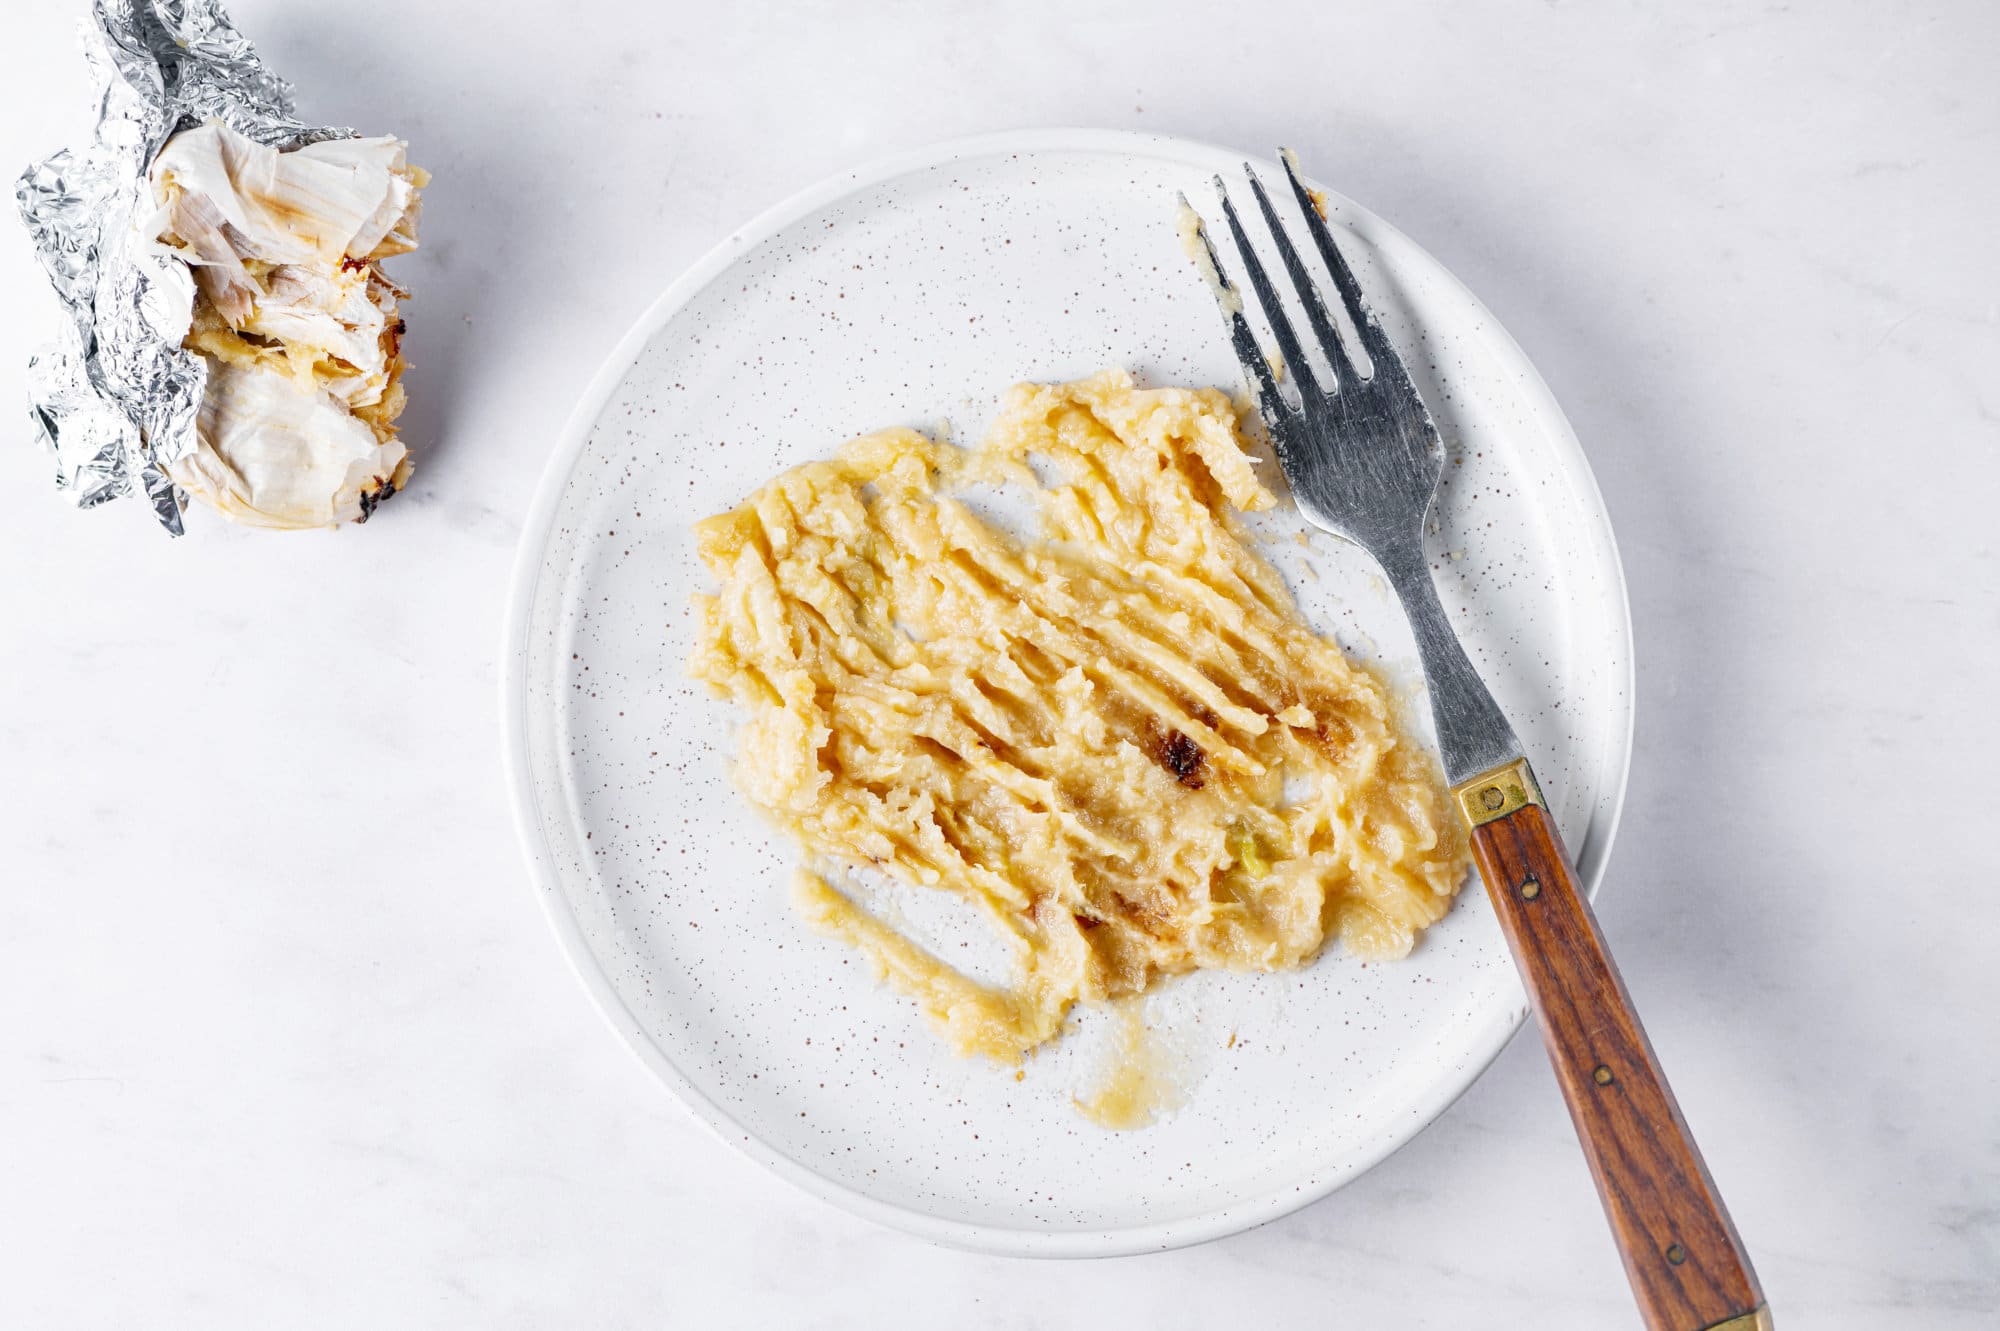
[{"x": 115, "y": 397}]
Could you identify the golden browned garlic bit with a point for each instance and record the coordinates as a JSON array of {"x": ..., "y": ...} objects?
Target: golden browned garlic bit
[{"x": 1122, "y": 743}]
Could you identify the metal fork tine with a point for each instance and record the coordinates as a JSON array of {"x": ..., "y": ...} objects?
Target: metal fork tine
[
  {"x": 1372, "y": 337},
  {"x": 1270, "y": 405},
  {"x": 1302, "y": 282},
  {"x": 1267, "y": 296}
]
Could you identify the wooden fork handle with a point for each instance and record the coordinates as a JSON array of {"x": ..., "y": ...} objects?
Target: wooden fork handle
[{"x": 1687, "y": 1266}]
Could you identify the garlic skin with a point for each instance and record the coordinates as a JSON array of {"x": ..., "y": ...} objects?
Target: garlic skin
[
  {"x": 277, "y": 455},
  {"x": 298, "y": 322}
]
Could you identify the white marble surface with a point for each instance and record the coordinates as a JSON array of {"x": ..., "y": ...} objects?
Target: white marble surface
[{"x": 286, "y": 1041}]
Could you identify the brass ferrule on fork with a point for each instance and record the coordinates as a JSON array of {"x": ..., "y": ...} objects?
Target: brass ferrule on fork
[{"x": 1497, "y": 792}]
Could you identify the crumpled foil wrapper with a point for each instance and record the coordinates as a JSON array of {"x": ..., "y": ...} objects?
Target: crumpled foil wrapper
[{"x": 116, "y": 397}]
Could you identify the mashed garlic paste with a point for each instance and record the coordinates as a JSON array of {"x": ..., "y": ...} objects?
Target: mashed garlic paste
[{"x": 1122, "y": 742}]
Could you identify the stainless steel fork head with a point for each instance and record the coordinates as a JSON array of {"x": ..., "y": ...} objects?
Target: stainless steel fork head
[{"x": 1361, "y": 452}]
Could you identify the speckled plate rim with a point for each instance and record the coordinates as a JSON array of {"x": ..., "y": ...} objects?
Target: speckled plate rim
[{"x": 1592, "y": 853}]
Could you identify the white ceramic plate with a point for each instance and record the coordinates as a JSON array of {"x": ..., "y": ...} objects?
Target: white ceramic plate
[{"x": 915, "y": 292}]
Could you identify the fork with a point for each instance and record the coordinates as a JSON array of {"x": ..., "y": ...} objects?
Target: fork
[{"x": 1363, "y": 459}]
